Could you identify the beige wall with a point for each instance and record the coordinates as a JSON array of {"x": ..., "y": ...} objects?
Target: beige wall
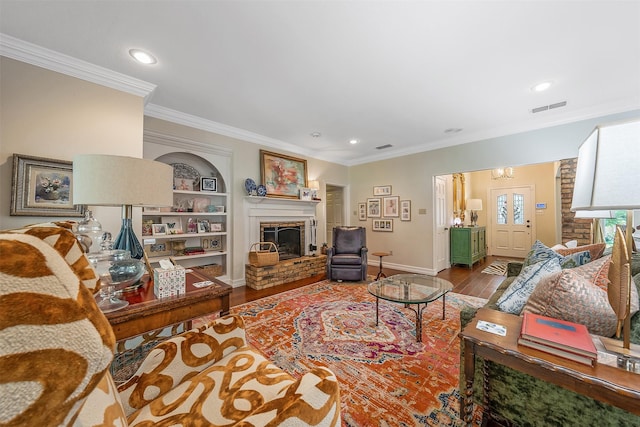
[{"x": 48, "y": 114}]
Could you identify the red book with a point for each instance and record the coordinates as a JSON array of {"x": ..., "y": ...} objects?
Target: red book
[{"x": 557, "y": 334}]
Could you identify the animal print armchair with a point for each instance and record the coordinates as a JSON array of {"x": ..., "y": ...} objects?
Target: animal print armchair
[{"x": 56, "y": 347}]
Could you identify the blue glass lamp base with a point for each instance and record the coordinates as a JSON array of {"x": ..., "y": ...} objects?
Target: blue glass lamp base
[{"x": 128, "y": 241}]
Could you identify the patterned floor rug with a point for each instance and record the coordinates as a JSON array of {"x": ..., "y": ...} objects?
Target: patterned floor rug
[{"x": 386, "y": 377}]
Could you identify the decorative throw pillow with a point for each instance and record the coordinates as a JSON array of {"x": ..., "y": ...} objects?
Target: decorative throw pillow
[
  {"x": 575, "y": 260},
  {"x": 518, "y": 292},
  {"x": 596, "y": 250},
  {"x": 540, "y": 252},
  {"x": 597, "y": 271},
  {"x": 573, "y": 296}
]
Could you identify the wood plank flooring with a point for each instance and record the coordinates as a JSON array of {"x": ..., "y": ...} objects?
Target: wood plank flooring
[{"x": 468, "y": 281}]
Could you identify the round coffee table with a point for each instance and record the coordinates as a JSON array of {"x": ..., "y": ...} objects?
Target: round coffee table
[{"x": 411, "y": 289}]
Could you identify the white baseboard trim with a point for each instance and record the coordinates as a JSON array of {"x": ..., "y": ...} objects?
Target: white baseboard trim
[{"x": 402, "y": 267}]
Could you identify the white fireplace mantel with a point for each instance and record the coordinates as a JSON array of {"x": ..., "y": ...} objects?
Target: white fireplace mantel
[
  {"x": 280, "y": 201},
  {"x": 271, "y": 209}
]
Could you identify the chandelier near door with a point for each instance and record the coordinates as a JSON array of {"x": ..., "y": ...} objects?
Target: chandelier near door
[{"x": 502, "y": 173}]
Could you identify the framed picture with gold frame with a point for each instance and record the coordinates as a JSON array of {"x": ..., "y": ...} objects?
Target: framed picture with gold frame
[{"x": 282, "y": 175}]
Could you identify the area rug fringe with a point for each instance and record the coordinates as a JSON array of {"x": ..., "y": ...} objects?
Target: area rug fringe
[{"x": 386, "y": 377}]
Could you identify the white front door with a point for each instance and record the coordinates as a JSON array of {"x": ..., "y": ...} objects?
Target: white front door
[
  {"x": 511, "y": 221},
  {"x": 442, "y": 228}
]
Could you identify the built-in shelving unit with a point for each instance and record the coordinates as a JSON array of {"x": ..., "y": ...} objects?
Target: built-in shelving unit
[{"x": 197, "y": 219}]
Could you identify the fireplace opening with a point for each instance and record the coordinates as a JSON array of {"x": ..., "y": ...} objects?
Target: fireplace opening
[{"x": 287, "y": 236}]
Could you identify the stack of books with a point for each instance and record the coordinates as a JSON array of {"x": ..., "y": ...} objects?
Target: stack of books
[
  {"x": 559, "y": 337},
  {"x": 194, "y": 250}
]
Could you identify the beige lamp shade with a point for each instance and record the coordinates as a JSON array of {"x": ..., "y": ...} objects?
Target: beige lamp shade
[
  {"x": 607, "y": 173},
  {"x": 105, "y": 180},
  {"x": 474, "y": 204}
]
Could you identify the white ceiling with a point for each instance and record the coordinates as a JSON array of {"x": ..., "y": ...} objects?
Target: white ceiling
[{"x": 384, "y": 72}]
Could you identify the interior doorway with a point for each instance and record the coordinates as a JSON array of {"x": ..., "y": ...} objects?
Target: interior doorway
[{"x": 335, "y": 210}]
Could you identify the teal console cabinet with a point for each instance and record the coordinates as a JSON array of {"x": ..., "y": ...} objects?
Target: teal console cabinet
[{"x": 468, "y": 245}]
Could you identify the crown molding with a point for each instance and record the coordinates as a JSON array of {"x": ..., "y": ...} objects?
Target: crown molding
[
  {"x": 30, "y": 53},
  {"x": 185, "y": 143},
  {"x": 174, "y": 116}
]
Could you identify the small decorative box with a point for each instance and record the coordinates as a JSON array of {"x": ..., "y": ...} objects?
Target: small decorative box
[{"x": 169, "y": 281}]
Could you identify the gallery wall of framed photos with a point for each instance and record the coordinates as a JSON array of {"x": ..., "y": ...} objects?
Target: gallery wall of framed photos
[{"x": 383, "y": 208}]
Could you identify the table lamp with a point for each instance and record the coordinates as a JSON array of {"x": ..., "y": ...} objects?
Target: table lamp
[
  {"x": 105, "y": 180},
  {"x": 607, "y": 178},
  {"x": 474, "y": 205}
]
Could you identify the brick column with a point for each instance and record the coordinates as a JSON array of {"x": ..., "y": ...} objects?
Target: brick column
[{"x": 572, "y": 228}]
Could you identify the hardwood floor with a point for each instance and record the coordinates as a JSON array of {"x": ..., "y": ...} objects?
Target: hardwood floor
[{"x": 465, "y": 281}]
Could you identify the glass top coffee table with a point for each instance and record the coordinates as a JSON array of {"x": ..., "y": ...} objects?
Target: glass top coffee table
[{"x": 409, "y": 289}]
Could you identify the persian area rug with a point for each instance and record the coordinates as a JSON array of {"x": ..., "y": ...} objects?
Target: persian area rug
[
  {"x": 386, "y": 377},
  {"x": 497, "y": 267}
]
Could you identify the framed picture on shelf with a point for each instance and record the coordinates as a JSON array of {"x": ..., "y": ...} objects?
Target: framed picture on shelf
[
  {"x": 362, "y": 211},
  {"x": 218, "y": 209},
  {"x": 184, "y": 184},
  {"x": 391, "y": 206},
  {"x": 204, "y": 226},
  {"x": 211, "y": 243},
  {"x": 147, "y": 227},
  {"x": 282, "y": 175},
  {"x": 159, "y": 229},
  {"x": 382, "y": 225},
  {"x": 305, "y": 194},
  {"x": 157, "y": 249},
  {"x": 216, "y": 226},
  {"x": 405, "y": 210},
  {"x": 209, "y": 184},
  {"x": 174, "y": 225},
  {"x": 373, "y": 208},
  {"x": 382, "y": 190},
  {"x": 42, "y": 187},
  {"x": 150, "y": 209}
]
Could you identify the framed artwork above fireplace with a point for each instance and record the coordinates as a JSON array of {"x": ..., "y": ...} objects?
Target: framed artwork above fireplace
[{"x": 283, "y": 175}]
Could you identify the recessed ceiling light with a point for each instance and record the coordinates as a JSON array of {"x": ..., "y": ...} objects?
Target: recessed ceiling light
[
  {"x": 142, "y": 56},
  {"x": 453, "y": 130},
  {"x": 353, "y": 141},
  {"x": 315, "y": 134},
  {"x": 540, "y": 87}
]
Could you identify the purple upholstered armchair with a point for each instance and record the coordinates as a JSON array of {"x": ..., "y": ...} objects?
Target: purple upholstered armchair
[{"x": 347, "y": 259}]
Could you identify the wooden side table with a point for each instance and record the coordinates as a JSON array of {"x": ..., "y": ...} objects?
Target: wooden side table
[
  {"x": 381, "y": 255},
  {"x": 601, "y": 382},
  {"x": 145, "y": 312}
]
